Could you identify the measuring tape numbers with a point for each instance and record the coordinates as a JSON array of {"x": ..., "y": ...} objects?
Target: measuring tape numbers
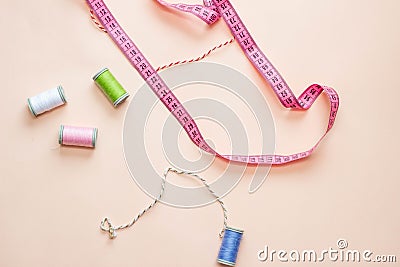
[{"x": 211, "y": 12}]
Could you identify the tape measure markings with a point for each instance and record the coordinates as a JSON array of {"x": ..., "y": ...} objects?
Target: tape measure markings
[{"x": 251, "y": 50}]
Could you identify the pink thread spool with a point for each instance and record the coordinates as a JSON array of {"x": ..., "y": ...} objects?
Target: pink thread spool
[{"x": 77, "y": 136}]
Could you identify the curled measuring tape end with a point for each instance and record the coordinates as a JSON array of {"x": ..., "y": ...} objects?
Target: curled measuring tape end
[{"x": 207, "y": 13}]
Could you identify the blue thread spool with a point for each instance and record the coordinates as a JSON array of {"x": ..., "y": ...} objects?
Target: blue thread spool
[{"x": 230, "y": 246}]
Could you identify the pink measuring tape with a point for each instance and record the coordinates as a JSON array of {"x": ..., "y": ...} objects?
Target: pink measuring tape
[{"x": 210, "y": 13}]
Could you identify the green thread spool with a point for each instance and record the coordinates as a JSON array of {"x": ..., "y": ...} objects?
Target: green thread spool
[{"x": 110, "y": 87}]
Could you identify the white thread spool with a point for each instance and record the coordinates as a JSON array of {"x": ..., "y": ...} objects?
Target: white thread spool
[{"x": 47, "y": 101}]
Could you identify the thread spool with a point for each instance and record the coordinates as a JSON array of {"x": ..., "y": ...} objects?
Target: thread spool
[
  {"x": 77, "y": 136},
  {"x": 110, "y": 87},
  {"x": 230, "y": 246},
  {"x": 46, "y": 101}
]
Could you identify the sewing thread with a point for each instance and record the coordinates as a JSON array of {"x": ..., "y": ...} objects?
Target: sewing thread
[
  {"x": 77, "y": 136},
  {"x": 230, "y": 246},
  {"x": 231, "y": 236},
  {"x": 46, "y": 101},
  {"x": 114, "y": 91}
]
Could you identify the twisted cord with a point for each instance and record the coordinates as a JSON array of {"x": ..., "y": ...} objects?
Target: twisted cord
[
  {"x": 94, "y": 20},
  {"x": 107, "y": 226},
  {"x": 180, "y": 62},
  {"x": 221, "y": 233},
  {"x": 196, "y": 59}
]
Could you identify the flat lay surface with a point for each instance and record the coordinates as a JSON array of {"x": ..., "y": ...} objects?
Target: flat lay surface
[{"x": 53, "y": 198}]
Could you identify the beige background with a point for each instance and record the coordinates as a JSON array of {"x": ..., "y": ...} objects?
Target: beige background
[{"x": 52, "y": 199}]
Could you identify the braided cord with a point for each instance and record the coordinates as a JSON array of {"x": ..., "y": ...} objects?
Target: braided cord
[
  {"x": 108, "y": 227},
  {"x": 179, "y": 62},
  {"x": 221, "y": 234}
]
